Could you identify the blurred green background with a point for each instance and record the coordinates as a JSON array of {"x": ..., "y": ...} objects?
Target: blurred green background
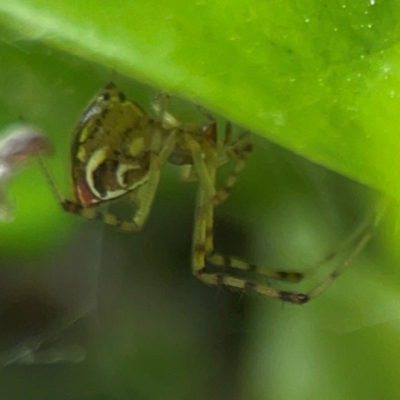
[{"x": 149, "y": 328}]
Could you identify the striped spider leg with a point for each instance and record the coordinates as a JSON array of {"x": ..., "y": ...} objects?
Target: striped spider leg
[
  {"x": 198, "y": 152},
  {"x": 241, "y": 275},
  {"x": 225, "y": 270},
  {"x": 354, "y": 244}
]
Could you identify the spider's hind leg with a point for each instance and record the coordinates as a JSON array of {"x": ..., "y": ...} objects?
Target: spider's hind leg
[
  {"x": 238, "y": 274},
  {"x": 356, "y": 242},
  {"x": 228, "y": 271}
]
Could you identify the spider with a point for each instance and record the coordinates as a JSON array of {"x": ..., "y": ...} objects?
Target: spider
[{"x": 118, "y": 151}]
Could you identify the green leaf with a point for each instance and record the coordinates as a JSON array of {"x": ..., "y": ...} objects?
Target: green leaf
[{"x": 318, "y": 77}]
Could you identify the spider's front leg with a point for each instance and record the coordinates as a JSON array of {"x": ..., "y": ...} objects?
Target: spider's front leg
[
  {"x": 162, "y": 145},
  {"x": 233, "y": 271}
]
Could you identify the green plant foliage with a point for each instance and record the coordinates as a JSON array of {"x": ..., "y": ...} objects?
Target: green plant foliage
[{"x": 319, "y": 77}]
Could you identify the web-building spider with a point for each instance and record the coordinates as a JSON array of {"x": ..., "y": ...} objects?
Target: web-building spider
[{"x": 118, "y": 150}]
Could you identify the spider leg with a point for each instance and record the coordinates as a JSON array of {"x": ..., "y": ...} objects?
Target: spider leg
[
  {"x": 357, "y": 241},
  {"x": 235, "y": 263},
  {"x": 200, "y": 166},
  {"x": 147, "y": 191},
  {"x": 160, "y": 107},
  {"x": 188, "y": 173},
  {"x": 238, "y": 274},
  {"x": 206, "y": 113},
  {"x": 203, "y": 251},
  {"x": 203, "y": 224},
  {"x": 168, "y": 146},
  {"x": 228, "y": 133},
  {"x": 239, "y": 151}
]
